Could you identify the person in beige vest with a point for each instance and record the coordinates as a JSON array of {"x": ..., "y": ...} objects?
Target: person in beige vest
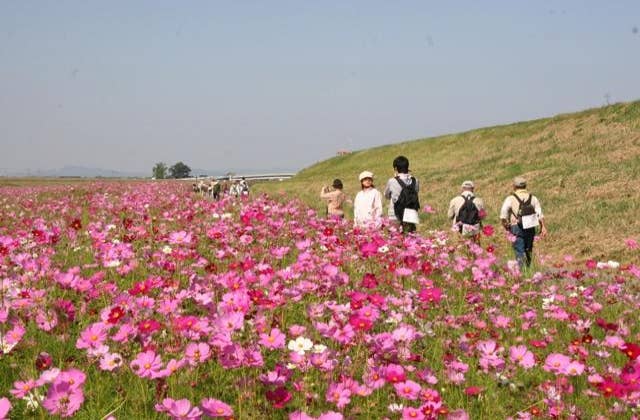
[
  {"x": 335, "y": 198},
  {"x": 521, "y": 214},
  {"x": 466, "y": 229}
]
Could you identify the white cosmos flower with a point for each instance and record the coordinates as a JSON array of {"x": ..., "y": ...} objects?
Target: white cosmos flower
[
  {"x": 613, "y": 264},
  {"x": 300, "y": 345},
  {"x": 319, "y": 348},
  {"x": 167, "y": 249},
  {"x": 383, "y": 249},
  {"x": 395, "y": 408}
]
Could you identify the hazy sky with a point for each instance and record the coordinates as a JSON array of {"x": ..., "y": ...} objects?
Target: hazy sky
[{"x": 283, "y": 84}]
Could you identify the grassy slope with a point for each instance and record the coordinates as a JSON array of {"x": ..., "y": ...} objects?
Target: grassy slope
[{"x": 584, "y": 167}]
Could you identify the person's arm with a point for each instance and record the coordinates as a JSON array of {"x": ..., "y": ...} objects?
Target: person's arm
[
  {"x": 377, "y": 204},
  {"x": 387, "y": 190},
  {"x": 504, "y": 214},
  {"x": 324, "y": 194},
  {"x": 451, "y": 213},
  {"x": 538, "y": 208}
]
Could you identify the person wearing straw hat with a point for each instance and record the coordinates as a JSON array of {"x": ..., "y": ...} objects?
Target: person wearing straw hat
[
  {"x": 466, "y": 212},
  {"x": 520, "y": 215},
  {"x": 367, "y": 206}
]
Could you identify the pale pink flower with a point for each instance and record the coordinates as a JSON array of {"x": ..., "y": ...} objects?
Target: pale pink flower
[
  {"x": 407, "y": 389},
  {"x": 556, "y": 363},
  {"x": 274, "y": 340},
  {"x": 180, "y": 238},
  {"x": 215, "y": 408},
  {"x": 179, "y": 409},
  {"x": 522, "y": 356},
  {"x": 574, "y": 368},
  {"x": 196, "y": 353}
]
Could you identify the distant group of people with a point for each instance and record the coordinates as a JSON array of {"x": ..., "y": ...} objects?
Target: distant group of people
[
  {"x": 217, "y": 189},
  {"x": 521, "y": 214}
]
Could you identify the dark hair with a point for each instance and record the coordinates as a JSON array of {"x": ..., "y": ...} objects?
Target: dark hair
[
  {"x": 337, "y": 184},
  {"x": 401, "y": 164}
]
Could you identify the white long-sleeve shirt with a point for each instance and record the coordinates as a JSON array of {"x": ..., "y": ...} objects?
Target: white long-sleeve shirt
[{"x": 367, "y": 208}]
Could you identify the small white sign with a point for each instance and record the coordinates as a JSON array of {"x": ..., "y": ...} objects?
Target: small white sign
[
  {"x": 410, "y": 216},
  {"x": 530, "y": 221}
]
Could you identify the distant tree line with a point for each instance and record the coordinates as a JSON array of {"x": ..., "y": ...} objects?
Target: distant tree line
[{"x": 179, "y": 170}]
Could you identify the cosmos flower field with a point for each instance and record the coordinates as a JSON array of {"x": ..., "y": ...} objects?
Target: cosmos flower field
[{"x": 143, "y": 300}]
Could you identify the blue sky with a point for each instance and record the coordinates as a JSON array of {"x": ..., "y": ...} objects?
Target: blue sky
[{"x": 283, "y": 84}]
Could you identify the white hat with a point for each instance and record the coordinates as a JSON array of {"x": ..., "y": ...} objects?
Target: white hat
[
  {"x": 365, "y": 174},
  {"x": 468, "y": 184}
]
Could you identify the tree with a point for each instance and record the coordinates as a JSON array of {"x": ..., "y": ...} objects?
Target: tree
[
  {"x": 179, "y": 170},
  {"x": 160, "y": 170}
]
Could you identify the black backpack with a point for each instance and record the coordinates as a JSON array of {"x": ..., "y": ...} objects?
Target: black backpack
[
  {"x": 525, "y": 208},
  {"x": 468, "y": 213},
  {"x": 408, "y": 198}
]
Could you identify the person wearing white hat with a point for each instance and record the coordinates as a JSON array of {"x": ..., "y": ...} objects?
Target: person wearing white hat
[
  {"x": 367, "y": 206},
  {"x": 466, "y": 212}
]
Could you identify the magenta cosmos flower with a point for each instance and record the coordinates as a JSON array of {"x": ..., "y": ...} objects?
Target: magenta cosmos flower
[{"x": 63, "y": 399}]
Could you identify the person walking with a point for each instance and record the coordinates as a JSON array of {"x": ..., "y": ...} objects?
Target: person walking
[
  {"x": 335, "y": 198},
  {"x": 367, "y": 206},
  {"x": 466, "y": 212},
  {"x": 402, "y": 192},
  {"x": 520, "y": 215}
]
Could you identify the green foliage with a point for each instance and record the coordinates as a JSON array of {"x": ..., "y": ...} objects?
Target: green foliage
[
  {"x": 179, "y": 170},
  {"x": 160, "y": 170}
]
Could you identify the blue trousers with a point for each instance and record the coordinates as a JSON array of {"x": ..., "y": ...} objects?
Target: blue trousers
[{"x": 523, "y": 246}]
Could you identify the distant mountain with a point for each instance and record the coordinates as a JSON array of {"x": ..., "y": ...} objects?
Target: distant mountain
[
  {"x": 87, "y": 172},
  {"x": 77, "y": 171},
  {"x": 210, "y": 172}
]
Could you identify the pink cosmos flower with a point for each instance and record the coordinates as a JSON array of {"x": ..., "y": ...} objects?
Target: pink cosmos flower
[
  {"x": 22, "y": 388},
  {"x": 522, "y": 356},
  {"x": 407, "y": 389},
  {"x": 180, "y": 238},
  {"x": 574, "y": 368},
  {"x": 110, "y": 361},
  {"x": 63, "y": 399},
  {"x": 428, "y": 209},
  {"x": 179, "y": 409},
  {"x": 92, "y": 337},
  {"x": 631, "y": 243},
  {"x": 330, "y": 415},
  {"x": 197, "y": 353},
  {"x": 146, "y": 365},
  {"x": 274, "y": 340},
  {"x": 215, "y": 408},
  {"x": 394, "y": 373},
  {"x": 338, "y": 394},
  {"x": 74, "y": 377},
  {"x": 556, "y": 363},
  {"x": 411, "y": 413},
  {"x": 5, "y": 407}
]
